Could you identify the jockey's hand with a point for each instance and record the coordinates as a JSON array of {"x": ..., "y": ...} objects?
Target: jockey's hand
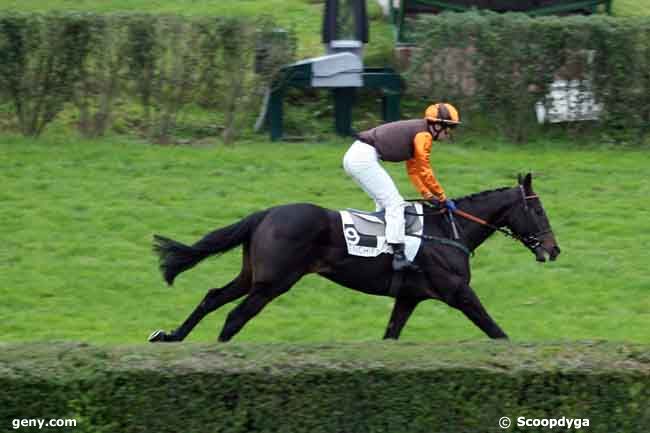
[{"x": 450, "y": 205}]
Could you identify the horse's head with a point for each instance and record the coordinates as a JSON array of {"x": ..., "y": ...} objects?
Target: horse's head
[{"x": 529, "y": 222}]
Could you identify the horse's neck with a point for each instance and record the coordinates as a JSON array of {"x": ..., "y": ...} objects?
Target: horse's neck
[{"x": 490, "y": 206}]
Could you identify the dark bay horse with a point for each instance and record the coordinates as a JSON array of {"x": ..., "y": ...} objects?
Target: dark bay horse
[{"x": 283, "y": 243}]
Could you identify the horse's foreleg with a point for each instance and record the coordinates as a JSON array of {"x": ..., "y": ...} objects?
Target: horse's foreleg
[
  {"x": 214, "y": 299},
  {"x": 465, "y": 300},
  {"x": 454, "y": 290},
  {"x": 401, "y": 312}
]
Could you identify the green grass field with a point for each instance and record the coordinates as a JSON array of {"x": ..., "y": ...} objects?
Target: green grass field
[
  {"x": 77, "y": 219},
  {"x": 280, "y": 8},
  {"x": 631, "y": 7}
]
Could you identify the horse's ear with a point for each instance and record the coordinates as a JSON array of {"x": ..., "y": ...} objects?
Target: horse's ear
[
  {"x": 520, "y": 179},
  {"x": 528, "y": 180}
]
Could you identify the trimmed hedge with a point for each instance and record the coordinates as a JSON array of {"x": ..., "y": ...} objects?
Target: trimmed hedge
[
  {"x": 105, "y": 64},
  {"x": 367, "y": 387},
  {"x": 500, "y": 65}
]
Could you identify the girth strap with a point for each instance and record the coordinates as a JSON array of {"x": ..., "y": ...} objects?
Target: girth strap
[
  {"x": 446, "y": 241},
  {"x": 396, "y": 282},
  {"x": 397, "y": 278}
]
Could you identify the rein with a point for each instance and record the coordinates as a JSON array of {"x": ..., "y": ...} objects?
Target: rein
[
  {"x": 444, "y": 241},
  {"x": 506, "y": 232},
  {"x": 530, "y": 241}
]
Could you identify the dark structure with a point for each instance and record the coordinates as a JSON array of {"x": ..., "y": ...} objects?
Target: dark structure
[
  {"x": 341, "y": 70},
  {"x": 331, "y": 21}
]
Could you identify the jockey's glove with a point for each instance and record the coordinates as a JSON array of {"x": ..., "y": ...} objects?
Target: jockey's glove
[{"x": 450, "y": 205}]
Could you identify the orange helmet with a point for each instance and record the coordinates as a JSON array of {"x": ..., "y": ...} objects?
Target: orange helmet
[{"x": 443, "y": 113}]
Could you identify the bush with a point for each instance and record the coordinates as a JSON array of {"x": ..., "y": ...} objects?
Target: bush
[
  {"x": 40, "y": 60},
  {"x": 500, "y": 65},
  {"x": 159, "y": 63},
  {"x": 367, "y": 387}
]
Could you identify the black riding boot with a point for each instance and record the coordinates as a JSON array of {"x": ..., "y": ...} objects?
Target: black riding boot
[{"x": 400, "y": 262}]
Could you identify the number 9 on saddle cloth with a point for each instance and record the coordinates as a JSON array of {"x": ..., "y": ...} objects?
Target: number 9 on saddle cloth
[{"x": 365, "y": 232}]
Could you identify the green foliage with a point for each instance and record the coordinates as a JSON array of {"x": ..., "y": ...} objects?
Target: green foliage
[
  {"x": 372, "y": 387},
  {"x": 99, "y": 83},
  {"x": 234, "y": 60},
  {"x": 78, "y": 217},
  {"x": 160, "y": 63},
  {"x": 500, "y": 65},
  {"x": 40, "y": 60}
]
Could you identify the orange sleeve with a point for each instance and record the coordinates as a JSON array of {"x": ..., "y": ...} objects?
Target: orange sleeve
[{"x": 419, "y": 168}]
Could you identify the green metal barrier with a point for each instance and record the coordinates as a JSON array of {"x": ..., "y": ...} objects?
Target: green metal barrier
[
  {"x": 533, "y": 8},
  {"x": 299, "y": 75}
]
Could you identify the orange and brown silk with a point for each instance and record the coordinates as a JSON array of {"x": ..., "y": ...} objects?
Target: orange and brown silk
[{"x": 419, "y": 168}]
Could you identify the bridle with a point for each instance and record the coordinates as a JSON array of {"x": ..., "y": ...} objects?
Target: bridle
[{"x": 531, "y": 241}]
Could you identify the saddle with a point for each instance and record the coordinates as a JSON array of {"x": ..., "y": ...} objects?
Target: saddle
[
  {"x": 374, "y": 223},
  {"x": 365, "y": 232}
]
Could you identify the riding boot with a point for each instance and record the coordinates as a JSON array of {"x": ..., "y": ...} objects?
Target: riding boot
[{"x": 400, "y": 262}]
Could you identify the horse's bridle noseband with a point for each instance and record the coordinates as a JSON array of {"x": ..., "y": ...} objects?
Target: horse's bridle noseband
[{"x": 531, "y": 240}]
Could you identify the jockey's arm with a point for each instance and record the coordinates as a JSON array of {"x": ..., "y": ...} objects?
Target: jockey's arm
[{"x": 419, "y": 168}]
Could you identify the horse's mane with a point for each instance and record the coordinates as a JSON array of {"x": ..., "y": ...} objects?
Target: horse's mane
[{"x": 477, "y": 195}]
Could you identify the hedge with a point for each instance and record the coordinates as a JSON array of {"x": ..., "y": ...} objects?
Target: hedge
[
  {"x": 500, "y": 65},
  {"x": 105, "y": 64},
  {"x": 366, "y": 387}
]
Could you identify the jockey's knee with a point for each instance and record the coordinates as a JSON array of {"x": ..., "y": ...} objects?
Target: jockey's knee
[
  {"x": 394, "y": 213},
  {"x": 395, "y": 205}
]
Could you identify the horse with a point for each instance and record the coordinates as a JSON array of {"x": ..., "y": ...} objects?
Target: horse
[{"x": 282, "y": 244}]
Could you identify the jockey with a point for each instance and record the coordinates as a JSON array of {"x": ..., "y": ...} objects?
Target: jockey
[{"x": 404, "y": 140}]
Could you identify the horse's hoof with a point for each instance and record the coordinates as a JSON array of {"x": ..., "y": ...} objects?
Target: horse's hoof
[{"x": 157, "y": 336}]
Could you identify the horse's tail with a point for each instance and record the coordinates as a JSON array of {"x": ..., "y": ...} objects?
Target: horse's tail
[{"x": 176, "y": 257}]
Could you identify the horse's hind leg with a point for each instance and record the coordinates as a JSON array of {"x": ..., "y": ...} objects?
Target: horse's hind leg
[
  {"x": 284, "y": 248},
  {"x": 259, "y": 297},
  {"x": 214, "y": 299}
]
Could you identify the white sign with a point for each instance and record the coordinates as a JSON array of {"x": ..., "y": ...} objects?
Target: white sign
[{"x": 568, "y": 101}]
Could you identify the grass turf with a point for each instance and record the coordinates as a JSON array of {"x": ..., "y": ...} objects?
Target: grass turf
[{"x": 77, "y": 219}]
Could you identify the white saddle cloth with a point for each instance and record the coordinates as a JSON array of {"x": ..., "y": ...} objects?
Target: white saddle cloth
[{"x": 365, "y": 235}]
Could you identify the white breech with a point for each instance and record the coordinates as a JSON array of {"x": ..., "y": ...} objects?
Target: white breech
[{"x": 361, "y": 162}]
